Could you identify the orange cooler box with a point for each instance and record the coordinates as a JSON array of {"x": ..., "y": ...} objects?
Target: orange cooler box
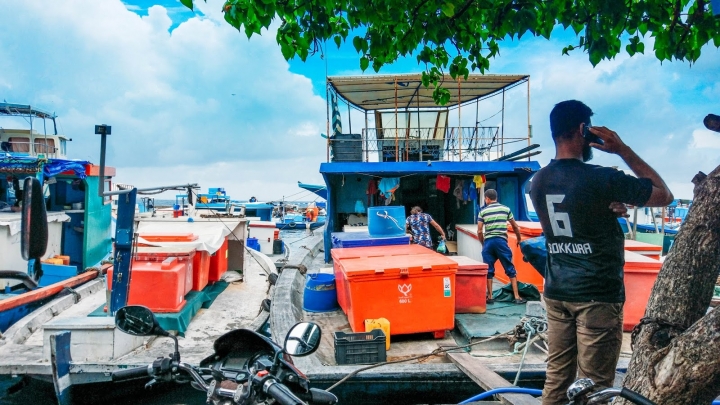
[
  {"x": 362, "y": 252},
  {"x": 159, "y": 286},
  {"x": 640, "y": 274},
  {"x": 184, "y": 255},
  {"x": 416, "y": 293},
  {"x": 201, "y": 270},
  {"x": 219, "y": 262},
  {"x": 645, "y": 249},
  {"x": 374, "y": 251},
  {"x": 525, "y": 271},
  {"x": 169, "y": 237},
  {"x": 471, "y": 286}
]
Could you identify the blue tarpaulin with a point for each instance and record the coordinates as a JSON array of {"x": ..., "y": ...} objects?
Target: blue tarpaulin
[{"x": 50, "y": 167}]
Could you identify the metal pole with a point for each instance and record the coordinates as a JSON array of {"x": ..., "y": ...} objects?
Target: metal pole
[
  {"x": 634, "y": 230},
  {"x": 528, "y": 114},
  {"x": 662, "y": 222},
  {"x": 101, "y": 186},
  {"x": 349, "y": 118},
  {"x": 397, "y": 135},
  {"x": 460, "y": 137},
  {"x": 366, "y": 137},
  {"x": 502, "y": 128},
  {"x": 327, "y": 115}
]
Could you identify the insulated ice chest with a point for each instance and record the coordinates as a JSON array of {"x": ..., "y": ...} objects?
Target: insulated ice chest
[
  {"x": 201, "y": 261},
  {"x": 386, "y": 221},
  {"x": 416, "y": 293},
  {"x": 185, "y": 255},
  {"x": 375, "y": 251},
  {"x": 371, "y": 251},
  {"x": 264, "y": 232},
  {"x": 159, "y": 286},
  {"x": 361, "y": 239},
  {"x": 218, "y": 262},
  {"x": 470, "y": 286},
  {"x": 640, "y": 275},
  {"x": 526, "y": 273},
  {"x": 643, "y": 248}
]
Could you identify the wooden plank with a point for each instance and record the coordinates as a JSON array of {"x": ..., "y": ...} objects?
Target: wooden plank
[
  {"x": 60, "y": 359},
  {"x": 488, "y": 379},
  {"x": 44, "y": 292}
]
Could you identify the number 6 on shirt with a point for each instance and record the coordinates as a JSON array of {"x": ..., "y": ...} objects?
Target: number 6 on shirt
[{"x": 560, "y": 221}]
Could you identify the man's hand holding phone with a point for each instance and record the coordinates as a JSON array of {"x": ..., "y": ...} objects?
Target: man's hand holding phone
[{"x": 609, "y": 141}]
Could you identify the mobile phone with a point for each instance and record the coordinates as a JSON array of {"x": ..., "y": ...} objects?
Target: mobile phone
[{"x": 590, "y": 137}]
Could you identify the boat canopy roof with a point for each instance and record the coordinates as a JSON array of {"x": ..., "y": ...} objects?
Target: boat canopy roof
[
  {"x": 24, "y": 110},
  {"x": 378, "y": 92},
  {"x": 398, "y": 169},
  {"x": 320, "y": 191}
]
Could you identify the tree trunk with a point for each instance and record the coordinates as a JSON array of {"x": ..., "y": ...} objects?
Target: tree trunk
[{"x": 676, "y": 359}]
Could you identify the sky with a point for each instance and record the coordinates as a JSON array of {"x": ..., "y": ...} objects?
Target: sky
[{"x": 192, "y": 100}]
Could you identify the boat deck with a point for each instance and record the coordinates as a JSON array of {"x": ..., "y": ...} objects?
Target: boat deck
[{"x": 238, "y": 306}]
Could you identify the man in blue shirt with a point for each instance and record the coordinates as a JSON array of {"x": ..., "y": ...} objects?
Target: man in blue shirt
[{"x": 584, "y": 291}]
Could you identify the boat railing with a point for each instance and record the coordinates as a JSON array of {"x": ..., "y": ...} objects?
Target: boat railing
[{"x": 421, "y": 144}]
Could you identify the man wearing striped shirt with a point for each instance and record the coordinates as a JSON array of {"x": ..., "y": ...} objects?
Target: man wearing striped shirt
[{"x": 492, "y": 232}]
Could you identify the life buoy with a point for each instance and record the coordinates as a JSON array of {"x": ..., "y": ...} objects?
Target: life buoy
[{"x": 291, "y": 224}]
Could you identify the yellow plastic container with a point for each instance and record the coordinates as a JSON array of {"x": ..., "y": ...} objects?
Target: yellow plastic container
[{"x": 382, "y": 324}]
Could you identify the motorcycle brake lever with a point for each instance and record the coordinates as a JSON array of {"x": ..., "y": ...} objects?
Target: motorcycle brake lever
[{"x": 150, "y": 384}]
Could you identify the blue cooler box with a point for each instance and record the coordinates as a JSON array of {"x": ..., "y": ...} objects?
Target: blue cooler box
[{"x": 362, "y": 239}]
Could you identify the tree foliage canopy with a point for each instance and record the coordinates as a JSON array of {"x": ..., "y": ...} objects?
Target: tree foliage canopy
[{"x": 460, "y": 36}]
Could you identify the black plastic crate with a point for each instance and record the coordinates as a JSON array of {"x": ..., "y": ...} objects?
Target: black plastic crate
[{"x": 360, "y": 348}]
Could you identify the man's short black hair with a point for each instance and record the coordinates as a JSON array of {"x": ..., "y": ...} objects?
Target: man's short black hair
[
  {"x": 491, "y": 194},
  {"x": 567, "y": 116}
]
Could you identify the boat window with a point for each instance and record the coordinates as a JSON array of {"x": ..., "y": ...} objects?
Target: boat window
[
  {"x": 19, "y": 144},
  {"x": 44, "y": 145},
  {"x": 413, "y": 124},
  {"x": 63, "y": 147}
]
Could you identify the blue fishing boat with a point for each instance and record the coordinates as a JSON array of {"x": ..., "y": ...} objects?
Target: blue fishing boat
[{"x": 79, "y": 221}]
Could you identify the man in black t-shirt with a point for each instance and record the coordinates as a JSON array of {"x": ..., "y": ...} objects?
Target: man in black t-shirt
[{"x": 584, "y": 291}]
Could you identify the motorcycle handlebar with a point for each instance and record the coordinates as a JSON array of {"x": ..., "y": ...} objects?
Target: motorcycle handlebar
[
  {"x": 282, "y": 394},
  {"x": 131, "y": 373},
  {"x": 635, "y": 397}
]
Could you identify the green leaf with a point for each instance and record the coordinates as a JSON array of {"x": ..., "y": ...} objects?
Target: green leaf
[
  {"x": 448, "y": 9},
  {"x": 364, "y": 62},
  {"x": 337, "y": 40},
  {"x": 641, "y": 47},
  {"x": 187, "y": 3},
  {"x": 357, "y": 43}
]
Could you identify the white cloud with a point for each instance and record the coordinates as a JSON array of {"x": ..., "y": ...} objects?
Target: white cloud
[
  {"x": 167, "y": 94},
  {"x": 705, "y": 139}
]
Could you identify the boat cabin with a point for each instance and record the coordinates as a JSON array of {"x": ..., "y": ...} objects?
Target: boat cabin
[
  {"x": 411, "y": 152},
  {"x": 30, "y": 142}
]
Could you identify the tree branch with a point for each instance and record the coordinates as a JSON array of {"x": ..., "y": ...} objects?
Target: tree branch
[
  {"x": 462, "y": 11},
  {"x": 680, "y": 298}
]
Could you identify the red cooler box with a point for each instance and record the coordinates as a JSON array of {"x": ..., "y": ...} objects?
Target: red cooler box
[
  {"x": 218, "y": 262},
  {"x": 159, "y": 286},
  {"x": 416, "y": 293},
  {"x": 471, "y": 285},
  {"x": 185, "y": 255},
  {"x": 640, "y": 275},
  {"x": 201, "y": 270}
]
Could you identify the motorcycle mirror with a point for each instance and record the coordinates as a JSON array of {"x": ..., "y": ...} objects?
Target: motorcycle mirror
[
  {"x": 579, "y": 388},
  {"x": 139, "y": 321},
  {"x": 302, "y": 339},
  {"x": 34, "y": 226}
]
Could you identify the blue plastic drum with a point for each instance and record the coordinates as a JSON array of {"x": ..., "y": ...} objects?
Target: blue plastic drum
[
  {"x": 386, "y": 221},
  {"x": 320, "y": 294}
]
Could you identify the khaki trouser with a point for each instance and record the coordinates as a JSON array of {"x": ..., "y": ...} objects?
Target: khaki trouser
[{"x": 584, "y": 342}]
